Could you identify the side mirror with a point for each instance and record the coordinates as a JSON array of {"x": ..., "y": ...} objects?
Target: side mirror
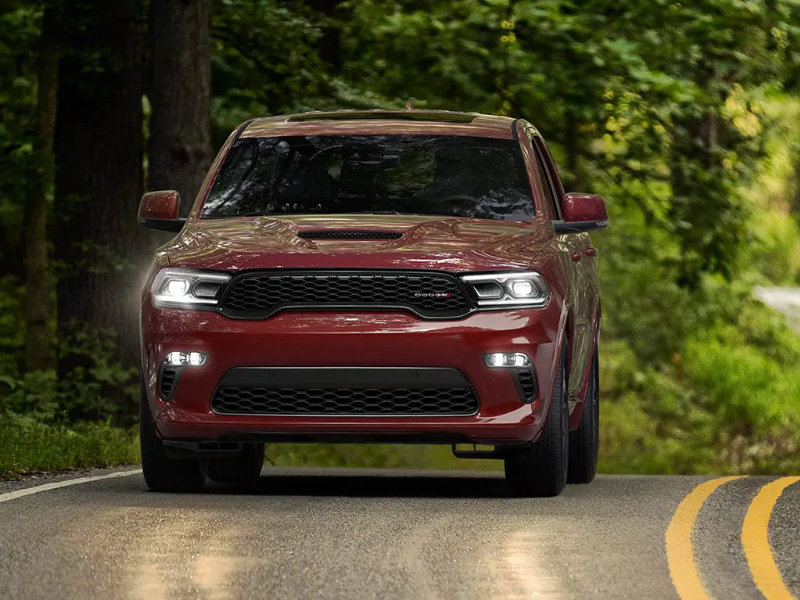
[
  {"x": 582, "y": 212},
  {"x": 159, "y": 210}
]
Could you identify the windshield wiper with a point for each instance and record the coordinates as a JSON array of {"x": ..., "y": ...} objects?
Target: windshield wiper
[
  {"x": 377, "y": 212},
  {"x": 278, "y": 215}
]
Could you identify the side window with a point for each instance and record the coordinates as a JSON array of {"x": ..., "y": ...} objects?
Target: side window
[
  {"x": 546, "y": 179},
  {"x": 555, "y": 178}
]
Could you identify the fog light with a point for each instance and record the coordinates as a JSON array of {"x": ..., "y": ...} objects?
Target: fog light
[
  {"x": 504, "y": 360},
  {"x": 186, "y": 359}
]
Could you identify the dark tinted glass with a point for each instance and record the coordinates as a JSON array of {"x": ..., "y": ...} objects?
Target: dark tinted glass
[{"x": 438, "y": 175}]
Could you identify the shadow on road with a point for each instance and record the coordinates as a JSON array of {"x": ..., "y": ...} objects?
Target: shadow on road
[{"x": 369, "y": 486}]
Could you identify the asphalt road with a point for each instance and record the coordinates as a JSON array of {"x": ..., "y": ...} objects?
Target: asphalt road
[
  {"x": 305, "y": 533},
  {"x": 784, "y": 300}
]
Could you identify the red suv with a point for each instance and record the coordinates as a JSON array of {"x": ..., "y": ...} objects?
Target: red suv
[{"x": 374, "y": 276}]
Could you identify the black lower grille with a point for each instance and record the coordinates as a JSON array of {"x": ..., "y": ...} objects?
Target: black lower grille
[
  {"x": 259, "y": 294},
  {"x": 344, "y": 391},
  {"x": 345, "y": 401}
]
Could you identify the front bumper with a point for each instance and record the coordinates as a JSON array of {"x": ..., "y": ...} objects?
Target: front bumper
[{"x": 353, "y": 340}]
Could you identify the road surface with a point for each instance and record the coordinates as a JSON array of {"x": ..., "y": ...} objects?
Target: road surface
[
  {"x": 784, "y": 300},
  {"x": 353, "y": 534}
]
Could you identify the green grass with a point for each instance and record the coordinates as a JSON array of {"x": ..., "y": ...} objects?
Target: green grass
[
  {"x": 27, "y": 445},
  {"x": 374, "y": 456}
]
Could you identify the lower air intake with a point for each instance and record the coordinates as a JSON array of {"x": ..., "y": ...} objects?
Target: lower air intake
[
  {"x": 166, "y": 383},
  {"x": 527, "y": 384},
  {"x": 345, "y": 391},
  {"x": 345, "y": 401}
]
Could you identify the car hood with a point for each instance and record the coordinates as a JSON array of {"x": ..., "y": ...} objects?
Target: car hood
[{"x": 420, "y": 242}]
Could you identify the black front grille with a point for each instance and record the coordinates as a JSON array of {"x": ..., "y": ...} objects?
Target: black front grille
[
  {"x": 259, "y": 294},
  {"x": 345, "y": 401},
  {"x": 349, "y": 234}
]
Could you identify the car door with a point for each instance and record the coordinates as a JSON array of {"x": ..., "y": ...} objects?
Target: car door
[{"x": 578, "y": 249}]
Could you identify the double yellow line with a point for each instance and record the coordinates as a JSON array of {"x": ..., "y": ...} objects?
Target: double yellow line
[{"x": 680, "y": 555}]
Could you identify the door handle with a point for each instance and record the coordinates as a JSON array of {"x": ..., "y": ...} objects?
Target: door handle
[
  {"x": 576, "y": 256},
  {"x": 591, "y": 251}
]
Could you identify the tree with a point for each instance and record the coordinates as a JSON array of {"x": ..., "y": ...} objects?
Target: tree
[
  {"x": 38, "y": 277},
  {"x": 99, "y": 151},
  {"x": 636, "y": 95},
  {"x": 180, "y": 123}
]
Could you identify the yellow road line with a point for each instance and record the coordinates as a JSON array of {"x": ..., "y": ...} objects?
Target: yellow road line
[
  {"x": 755, "y": 540},
  {"x": 680, "y": 553}
]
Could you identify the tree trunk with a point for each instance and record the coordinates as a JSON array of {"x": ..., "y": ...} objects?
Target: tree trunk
[
  {"x": 99, "y": 148},
  {"x": 704, "y": 209},
  {"x": 794, "y": 197},
  {"x": 39, "y": 353},
  {"x": 180, "y": 122}
]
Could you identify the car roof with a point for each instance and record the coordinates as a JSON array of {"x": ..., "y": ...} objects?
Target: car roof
[{"x": 379, "y": 121}]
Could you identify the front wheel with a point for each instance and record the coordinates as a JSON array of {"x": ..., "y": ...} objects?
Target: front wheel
[
  {"x": 541, "y": 468},
  {"x": 162, "y": 473},
  {"x": 583, "y": 442}
]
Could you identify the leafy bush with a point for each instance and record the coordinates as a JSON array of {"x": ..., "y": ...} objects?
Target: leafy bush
[
  {"x": 726, "y": 403},
  {"x": 96, "y": 387},
  {"x": 11, "y": 333}
]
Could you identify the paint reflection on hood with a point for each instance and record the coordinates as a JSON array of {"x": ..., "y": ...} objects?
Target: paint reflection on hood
[{"x": 439, "y": 243}]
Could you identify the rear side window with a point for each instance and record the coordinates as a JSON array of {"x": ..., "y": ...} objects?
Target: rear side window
[{"x": 461, "y": 176}]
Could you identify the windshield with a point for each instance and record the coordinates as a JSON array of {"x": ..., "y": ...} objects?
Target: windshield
[{"x": 461, "y": 176}]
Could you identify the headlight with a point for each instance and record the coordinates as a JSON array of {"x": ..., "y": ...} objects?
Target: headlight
[
  {"x": 510, "y": 289},
  {"x": 184, "y": 288}
]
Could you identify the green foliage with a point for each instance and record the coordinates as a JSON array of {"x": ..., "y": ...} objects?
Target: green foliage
[
  {"x": 28, "y": 445},
  {"x": 264, "y": 60},
  {"x": 34, "y": 394},
  {"x": 638, "y": 95},
  {"x": 95, "y": 387},
  {"x": 11, "y": 334},
  {"x": 726, "y": 403},
  {"x": 19, "y": 33}
]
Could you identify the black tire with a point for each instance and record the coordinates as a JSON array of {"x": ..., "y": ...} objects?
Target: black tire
[
  {"x": 245, "y": 469},
  {"x": 541, "y": 468},
  {"x": 583, "y": 442},
  {"x": 161, "y": 473}
]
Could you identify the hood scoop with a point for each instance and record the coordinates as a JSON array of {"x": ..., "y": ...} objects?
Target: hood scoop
[{"x": 349, "y": 234}]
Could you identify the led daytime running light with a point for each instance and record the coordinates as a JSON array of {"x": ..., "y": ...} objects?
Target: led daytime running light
[
  {"x": 506, "y": 360},
  {"x": 184, "y": 288},
  {"x": 186, "y": 359},
  {"x": 510, "y": 289}
]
